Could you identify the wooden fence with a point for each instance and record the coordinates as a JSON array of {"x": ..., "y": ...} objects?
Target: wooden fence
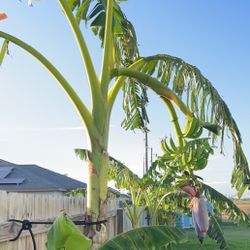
[{"x": 43, "y": 207}]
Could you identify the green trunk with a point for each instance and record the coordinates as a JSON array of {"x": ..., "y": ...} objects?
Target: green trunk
[
  {"x": 98, "y": 165},
  {"x": 97, "y": 182}
]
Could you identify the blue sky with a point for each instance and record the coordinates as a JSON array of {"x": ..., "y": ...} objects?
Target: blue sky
[{"x": 38, "y": 123}]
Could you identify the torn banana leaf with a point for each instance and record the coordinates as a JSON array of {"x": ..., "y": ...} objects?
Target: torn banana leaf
[
  {"x": 64, "y": 234},
  {"x": 221, "y": 203}
]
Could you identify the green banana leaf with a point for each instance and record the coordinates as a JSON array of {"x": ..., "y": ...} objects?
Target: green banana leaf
[
  {"x": 64, "y": 234},
  {"x": 215, "y": 232},
  {"x": 222, "y": 204},
  {"x": 83, "y": 154},
  {"x": 146, "y": 238}
]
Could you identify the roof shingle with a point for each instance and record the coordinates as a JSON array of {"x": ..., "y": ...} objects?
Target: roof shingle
[{"x": 38, "y": 179}]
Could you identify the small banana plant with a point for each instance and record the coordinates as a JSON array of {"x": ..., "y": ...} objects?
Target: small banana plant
[
  {"x": 135, "y": 209},
  {"x": 153, "y": 201}
]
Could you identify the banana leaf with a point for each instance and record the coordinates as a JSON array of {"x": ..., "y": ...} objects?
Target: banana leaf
[
  {"x": 146, "y": 238},
  {"x": 215, "y": 232},
  {"x": 64, "y": 234},
  {"x": 222, "y": 204},
  {"x": 83, "y": 154}
]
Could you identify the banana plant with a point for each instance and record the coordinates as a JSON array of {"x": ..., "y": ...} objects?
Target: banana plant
[
  {"x": 135, "y": 209},
  {"x": 123, "y": 69},
  {"x": 153, "y": 201}
]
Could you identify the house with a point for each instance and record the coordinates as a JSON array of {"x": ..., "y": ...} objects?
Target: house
[{"x": 32, "y": 178}]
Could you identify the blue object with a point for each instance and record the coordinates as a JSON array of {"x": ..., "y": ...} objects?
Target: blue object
[{"x": 184, "y": 221}]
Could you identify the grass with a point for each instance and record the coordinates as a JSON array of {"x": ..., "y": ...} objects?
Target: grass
[{"x": 237, "y": 237}]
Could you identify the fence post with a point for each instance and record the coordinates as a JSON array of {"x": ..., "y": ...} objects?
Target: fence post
[
  {"x": 4, "y": 210},
  {"x": 119, "y": 220}
]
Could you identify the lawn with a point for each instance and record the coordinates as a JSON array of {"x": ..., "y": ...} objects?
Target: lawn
[{"x": 237, "y": 237}]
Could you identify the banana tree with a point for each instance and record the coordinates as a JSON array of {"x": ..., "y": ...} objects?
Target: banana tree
[
  {"x": 135, "y": 209},
  {"x": 124, "y": 69},
  {"x": 103, "y": 91}
]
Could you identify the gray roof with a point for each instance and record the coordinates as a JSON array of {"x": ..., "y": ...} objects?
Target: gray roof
[{"x": 30, "y": 178}]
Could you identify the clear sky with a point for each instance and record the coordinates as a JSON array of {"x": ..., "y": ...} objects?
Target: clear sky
[{"x": 38, "y": 123}]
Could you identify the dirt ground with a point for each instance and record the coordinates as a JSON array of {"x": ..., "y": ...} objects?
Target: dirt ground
[{"x": 244, "y": 206}]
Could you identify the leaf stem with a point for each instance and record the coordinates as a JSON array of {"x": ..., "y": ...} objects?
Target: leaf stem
[
  {"x": 108, "y": 50},
  {"x": 155, "y": 85},
  {"x": 91, "y": 73}
]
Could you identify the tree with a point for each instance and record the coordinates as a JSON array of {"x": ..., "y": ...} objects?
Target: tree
[{"x": 123, "y": 69}]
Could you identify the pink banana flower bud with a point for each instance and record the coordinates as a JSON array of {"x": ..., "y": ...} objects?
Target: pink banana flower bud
[{"x": 200, "y": 217}]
